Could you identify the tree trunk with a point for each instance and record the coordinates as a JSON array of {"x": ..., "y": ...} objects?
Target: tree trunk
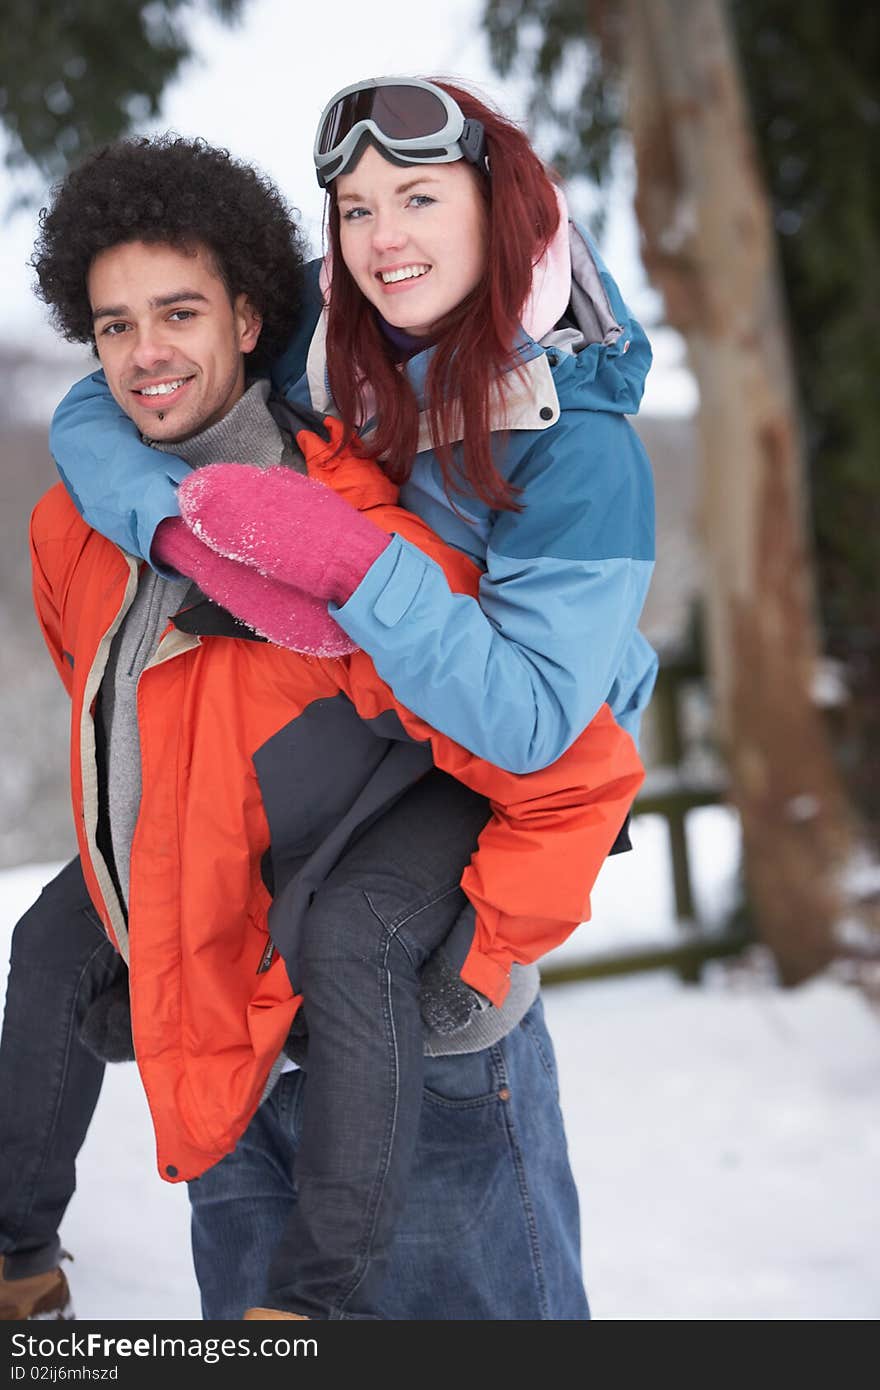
[{"x": 708, "y": 244}]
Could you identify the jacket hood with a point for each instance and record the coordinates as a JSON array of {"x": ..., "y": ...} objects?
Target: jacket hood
[
  {"x": 615, "y": 361},
  {"x": 608, "y": 344},
  {"x": 551, "y": 280}
]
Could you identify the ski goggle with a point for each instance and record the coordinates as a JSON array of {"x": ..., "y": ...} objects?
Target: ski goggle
[{"x": 412, "y": 122}]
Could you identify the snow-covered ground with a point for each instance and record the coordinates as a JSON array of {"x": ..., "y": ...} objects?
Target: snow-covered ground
[{"x": 725, "y": 1139}]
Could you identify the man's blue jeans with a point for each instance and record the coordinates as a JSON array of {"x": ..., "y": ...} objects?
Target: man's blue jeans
[
  {"x": 49, "y": 1082},
  {"x": 490, "y": 1227}
]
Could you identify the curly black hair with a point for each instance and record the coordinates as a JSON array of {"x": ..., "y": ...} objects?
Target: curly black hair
[{"x": 170, "y": 190}]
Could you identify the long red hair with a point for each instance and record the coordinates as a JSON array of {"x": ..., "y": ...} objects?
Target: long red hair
[{"x": 474, "y": 343}]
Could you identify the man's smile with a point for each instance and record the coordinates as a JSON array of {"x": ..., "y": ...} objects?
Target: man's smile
[{"x": 155, "y": 395}]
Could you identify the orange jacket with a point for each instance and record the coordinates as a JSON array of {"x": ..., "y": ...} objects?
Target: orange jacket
[{"x": 215, "y": 716}]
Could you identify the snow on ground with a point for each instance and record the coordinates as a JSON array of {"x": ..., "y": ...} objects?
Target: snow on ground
[{"x": 725, "y": 1138}]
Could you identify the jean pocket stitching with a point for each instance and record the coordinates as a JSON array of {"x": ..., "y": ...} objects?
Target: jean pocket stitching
[
  {"x": 394, "y": 926},
  {"x": 498, "y": 1074},
  {"x": 461, "y": 1102}
]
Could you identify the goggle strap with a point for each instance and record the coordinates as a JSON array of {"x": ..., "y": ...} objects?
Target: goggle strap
[{"x": 473, "y": 143}]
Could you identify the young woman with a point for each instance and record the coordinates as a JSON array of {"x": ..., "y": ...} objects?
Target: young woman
[{"x": 473, "y": 339}]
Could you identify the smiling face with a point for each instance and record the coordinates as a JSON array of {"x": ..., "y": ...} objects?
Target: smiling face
[
  {"x": 414, "y": 239},
  {"x": 169, "y": 338}
]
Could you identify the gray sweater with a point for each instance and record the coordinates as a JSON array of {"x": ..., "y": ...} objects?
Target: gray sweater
[{"x": 249, "y": 433}]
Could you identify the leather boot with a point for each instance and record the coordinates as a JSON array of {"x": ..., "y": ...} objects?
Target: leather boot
[
  {"x": 255, "y": 1314},
  {"x": 36, "y": 1297}
]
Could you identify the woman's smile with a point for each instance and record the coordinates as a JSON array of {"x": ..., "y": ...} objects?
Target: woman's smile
[{"x": 404, "y": 276}]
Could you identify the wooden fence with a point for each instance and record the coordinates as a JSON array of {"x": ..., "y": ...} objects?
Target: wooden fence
[{"x": 675, "y": 785}]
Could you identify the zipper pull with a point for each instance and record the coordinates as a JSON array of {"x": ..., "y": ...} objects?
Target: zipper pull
[{"x": 266, "y": 958}]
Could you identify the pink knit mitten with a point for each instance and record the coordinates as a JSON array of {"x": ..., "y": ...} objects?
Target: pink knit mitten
[
  {"x": 283, "y": 524},
  {"x": 286, "y": 615}
]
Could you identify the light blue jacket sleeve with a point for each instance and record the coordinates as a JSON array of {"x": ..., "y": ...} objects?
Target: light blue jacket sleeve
[
  {"x": 518, "y": 675},
  {"x": 119, "y": 485}
]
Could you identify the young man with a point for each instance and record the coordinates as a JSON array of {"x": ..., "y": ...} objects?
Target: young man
[{"x": 211, "y": 772}]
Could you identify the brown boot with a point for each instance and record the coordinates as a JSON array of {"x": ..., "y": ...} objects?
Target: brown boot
[
  {"x": 254, "y": 1314},
  {"x": 37, "y": 1297}
]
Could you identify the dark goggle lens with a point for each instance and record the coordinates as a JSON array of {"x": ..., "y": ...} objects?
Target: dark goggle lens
[{"x": 401, "y": 113}]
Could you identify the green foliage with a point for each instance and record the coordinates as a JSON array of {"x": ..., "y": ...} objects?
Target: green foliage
[
  {"x": 574, "y": 99},
  {"x": 812, "y": 75},
  {"x": 77, "y": 73}
]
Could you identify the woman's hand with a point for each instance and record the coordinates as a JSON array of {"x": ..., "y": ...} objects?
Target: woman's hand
[
  {"x": 286, "y": 615},
  {"x": 282, "y": 524}
]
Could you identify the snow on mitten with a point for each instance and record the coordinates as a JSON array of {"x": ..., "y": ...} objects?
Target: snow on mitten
[
  {"x": 285, "y": 615},
  {"x": 282, "y": 524},
  {"x": 447, "y": 1004}
]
